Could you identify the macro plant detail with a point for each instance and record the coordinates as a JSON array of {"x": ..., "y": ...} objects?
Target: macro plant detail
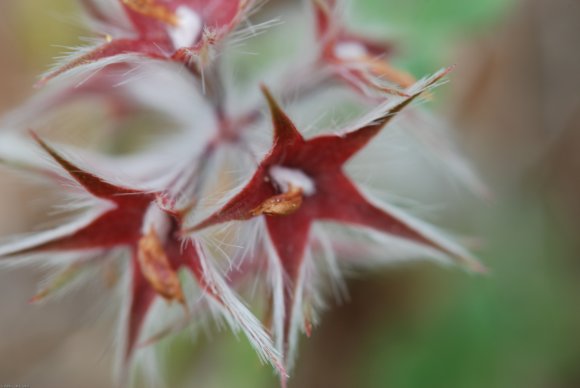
[
  {"x": 183, "y": 228},
  {"x": 360, "y": 61}
]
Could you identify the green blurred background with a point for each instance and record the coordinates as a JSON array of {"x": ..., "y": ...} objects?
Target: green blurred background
[{"x": 514, "y": 97}]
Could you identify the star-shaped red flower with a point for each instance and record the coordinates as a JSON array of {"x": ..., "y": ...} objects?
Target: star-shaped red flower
[
  {"x": 302, "y": 181},
  {"x": 358, "y": 60},
  {"x": 177, "y": 30},
  {"x": 139, "y": 220}
]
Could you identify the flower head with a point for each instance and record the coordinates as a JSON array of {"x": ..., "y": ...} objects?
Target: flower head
[
  {"x": 139, "y": 220},
  {"x": 184, "y": 31},
  {"x": 360, "y": 61},
  {"x": 300, "y": 182},
  {"x": 173, "y": 226}
]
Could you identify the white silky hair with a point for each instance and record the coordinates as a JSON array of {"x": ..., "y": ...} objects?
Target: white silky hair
[
  {"x": 461, "y": 257},
  {"x": 200, "y": 307},
  {"x": 144, "y": 358},
  {"x": 10, "y": 250},
  {"x": 297, "y": 313},
  {"x": 154, "y": 85},
  {"x": 331, "y": 265},
  {"x": 53, "y": 287},
  {"x": 419, "y": 137},
  {"x": 120, "y": 372},
  {"x": 398, "y": 168},
  {"x": 309, "y": 295},
  {"x": 419, "y": 87},
  {"x": 91, "y": 206},
  {"x": 325, "y": 111},
  {"x": 377, "y": 249},
  {"x": 238, "y": 38},
  {"x": 16, "y": 150},
  {"x": 237, "y": 314},
  {"x": 161, "y": 312},
  {"x": 82, "y": 209},
  {"x": 135, "y": 174},
  {"x": 148, "y": 168},
  {"x": 306, "y": 292},
  {"x": 142, "y": 85},
  {"x": 367, "y": 249},
  {"x": 228, "y": 174},
  {"x": 276, "y": 68},
  {"x": 147, "y": 364},
  {"x": 276, "y": 282},
  {"x": 25, "y": 114},
  {"x": 86, "y": 71},
  {"x": 195, "y": 319},
  {"x": 437, "y": 136},
  {"x": 250, "y": 236},
  {"x": 168, "y": 88}
]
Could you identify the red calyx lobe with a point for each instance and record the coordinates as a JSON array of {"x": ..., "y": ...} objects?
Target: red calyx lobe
[
  {"x": 152, "y": 21},
  {"x": 331, "y": 32},
  {"x": 141, "y": 222},
  {"x": 335, "y": 197},
  {"x": 122, "y": 225},
  {"x": 357, "y": 59}
]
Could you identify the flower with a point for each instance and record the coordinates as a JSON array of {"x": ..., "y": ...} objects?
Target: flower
[
  {"x": 174, "y": 224},
  {"x": 183, "y": 31},
  {"x": 300, "y": 182},
  {"x": 139, "y": 220},
  {"x": 359, "y": 61}
]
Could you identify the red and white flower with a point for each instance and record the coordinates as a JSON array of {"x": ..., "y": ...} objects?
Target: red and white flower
[
  {"x": 174, "y": 223},
  {"x": 360, "y": 61},
  {"x": 139, "y": 221},
  {"x": 184, "y": 31},
  {"x": 301, "y": 182}
]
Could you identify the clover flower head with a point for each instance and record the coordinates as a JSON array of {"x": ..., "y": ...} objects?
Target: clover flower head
[{"x": 231, "y": 191}]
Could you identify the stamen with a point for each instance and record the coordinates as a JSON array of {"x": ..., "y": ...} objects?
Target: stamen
[
  {"x": 153, "y": 9},
  {"x": 156, "y": 268},
  {"x": 282, "y": 204}
]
